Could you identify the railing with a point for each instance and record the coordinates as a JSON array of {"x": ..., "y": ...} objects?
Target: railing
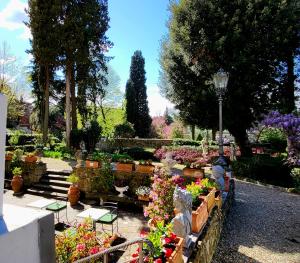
[{"x": 106, "y": 252}]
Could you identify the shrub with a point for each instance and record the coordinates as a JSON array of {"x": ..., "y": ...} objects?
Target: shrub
[
  {"x": 14, "y": 137},
  {"x": 138, "y": 153},
  {"x": 117, "y": 156},
  {"x": 52, "y": 154},
  {"x": 124, "y": 130},
  {"x": 92, "y": 135},
  {"x": 181, "y": 142},
  {"x": 76, "y": 136},
  {"x": 264, "y": 168},
  {"x": 275, "y": 137},
  {"x": 296, "y": 177}
]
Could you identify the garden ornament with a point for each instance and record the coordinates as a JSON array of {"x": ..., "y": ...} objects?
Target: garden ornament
[
  {"x": 182, "y": 223},
  {"x": 79, "y": 157},
  {"x": 168, "y": 162},
  {"x": 218, "y": 173}
]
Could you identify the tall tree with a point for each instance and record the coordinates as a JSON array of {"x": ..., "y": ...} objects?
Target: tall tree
[
  {"x": 244, "y": 38},
  {"x": 43, "y": 21},
  {"x": 136, "y": 96}
]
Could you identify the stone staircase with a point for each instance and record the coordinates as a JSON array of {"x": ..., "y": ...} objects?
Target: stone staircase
[{"x": 53, "y": 184}]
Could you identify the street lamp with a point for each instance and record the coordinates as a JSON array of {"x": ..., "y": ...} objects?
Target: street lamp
[{"x": 220, "y": 80}]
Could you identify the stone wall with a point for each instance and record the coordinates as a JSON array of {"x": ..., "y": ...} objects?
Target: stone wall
[{"x": 209, "y": 238}]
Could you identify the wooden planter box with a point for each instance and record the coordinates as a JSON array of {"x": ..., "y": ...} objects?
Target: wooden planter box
[
  {"x": 227, "y": 183},
  {"x": 92, "y": 164},
  {"x": 210, "y": 199},
  {"x": 176, "y": 256},
  {"x": 218, "y": 199},
  {"x": 191, "y": 172},
  {"x": 125, "y": 167},
  {"x": 30, "y": 159},
  {"x": 146, "y": 169},
  {"x": 144, "y": 198},
  {"x": 199, "y": 217}
]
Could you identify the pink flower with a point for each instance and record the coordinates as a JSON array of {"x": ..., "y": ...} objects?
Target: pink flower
[
  {"x": 80, "y": 247},
  {"x": 94, "y": 250}
]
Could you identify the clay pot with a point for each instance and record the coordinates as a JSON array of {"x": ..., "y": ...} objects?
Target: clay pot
[
  {"x": 125, "y": 167},
  {"x": 144, "y": 197},
  {"x": 73, "y": 194},
  {"x": 30, "y": 159},
  {"x": 17, "y": 183},
  {"x": 146, "y": 169},
  {"x": 193, "y": 172},
  {"x": 92, "y": 164}
]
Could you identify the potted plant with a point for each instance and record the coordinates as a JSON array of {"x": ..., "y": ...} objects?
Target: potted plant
[
  {"x": 92, "y": 162},
  {"x": 145, "y": 167},
  {"x": 17, "y": 181},
  {"x": 8, "y": 156},
  {"x": 209, "y": 189},
  {"x": 199, "y": 205},
  {"x": 167, "y": 246},
  {"x": 125, "y": 165},
  {"x": 143, "y": 193},
  {"x": 30, "y": 158},
  {"x": 73, "y": 192},
  {"x": 194, "y": 169}
]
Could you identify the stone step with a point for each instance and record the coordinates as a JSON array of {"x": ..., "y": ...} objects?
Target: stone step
[
  {"x": 59, "y": 172},
  {"x": 55, "y": 177},
  {"x": 55, "y": 181},
  {"x": 51, "y": 188},
  {"x": 55, "y": 195}
]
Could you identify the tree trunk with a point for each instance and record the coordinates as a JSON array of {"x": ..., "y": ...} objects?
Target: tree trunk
[
  {"x": 241, "y": 139},
  {"x": 46, "y": 105},
  {"x": 68, "y": 104},
  {"x": 290, "y": 87},
  {"x": 102, "y": 113},
  {"x": 193, "y": 131},
  {"x": 73, "y": 99}
]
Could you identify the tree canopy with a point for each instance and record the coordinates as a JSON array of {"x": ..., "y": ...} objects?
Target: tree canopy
[{"x": 249, "y": 40}]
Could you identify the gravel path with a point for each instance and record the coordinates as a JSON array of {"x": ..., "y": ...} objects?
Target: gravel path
[{"x": 262, "y": 226}]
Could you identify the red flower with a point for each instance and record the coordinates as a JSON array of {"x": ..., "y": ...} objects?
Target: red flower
[
  {"x": 167, "y": 240},
  {"x": 173, "y": 236},
  {"x": 158, "y": 260},
  {"x": 80, "y": 247},
  {"x": 168, "y": 252},
  {"x": 134, "y": 255},
  {"x": 94, "y": 250}
]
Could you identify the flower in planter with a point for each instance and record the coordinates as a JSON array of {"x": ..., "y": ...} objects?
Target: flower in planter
[{"x": 147, "y": 162}]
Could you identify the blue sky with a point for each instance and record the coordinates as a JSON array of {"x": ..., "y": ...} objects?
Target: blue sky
[{"x": 134, "y": 25}]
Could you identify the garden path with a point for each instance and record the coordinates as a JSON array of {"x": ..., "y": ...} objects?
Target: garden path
[{"x": 263, "y": 226}]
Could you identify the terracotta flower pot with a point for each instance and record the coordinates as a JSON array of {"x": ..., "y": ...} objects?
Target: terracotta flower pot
[
  {"x": 227, "y": 183},
  {"x": 210, "y": 199},
  {"x": 176, "y": 256},
  {"x": 199, "y": 217},
  {"x": 147, "y": 169},
  {"x": 125, "y": 167},
  {"x": 144, "y": 197},
  {"x": 8, "y": 157},
  {"x": 73, "y": 194},
  {"x": 17, "y": 183},
  {"x": 30, "y": 159},
  {"x": 193, "y": 172},
  {"x": 92, "y": 164}
]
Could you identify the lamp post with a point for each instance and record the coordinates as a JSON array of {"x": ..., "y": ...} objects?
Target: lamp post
[{"x": 220, "y": 80}]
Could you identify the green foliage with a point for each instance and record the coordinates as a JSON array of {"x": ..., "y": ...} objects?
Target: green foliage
[
  {"x": 76, "y": 136},
  {"x": 296, "y": 177},
  {"x": 101, "y": 156},
  {"x": 195, "y": 190},
  {"x": 271, "y": 170},
  {"x": 105, "y": 181},
  {"x": 181, "y": 142},
  {"x": 14, "y": 137},
  {"x": 117, "y": 156},
  {"x": 137, "y": 111},
  {"x": 17, "y": 171},
  {"x": 73, "y": 178},
  {"x": 124, "y": 130},
  {"x": 93, "y": 134},
  {"x": 275, "y": 137},
  {"x": 207, "y": 35},
  {"x": 138, "y": 153},
  {"x": 52, "y": 154}
]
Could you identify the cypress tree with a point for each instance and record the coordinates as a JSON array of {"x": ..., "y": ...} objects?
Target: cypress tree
[{"x": 137, "y": 110}]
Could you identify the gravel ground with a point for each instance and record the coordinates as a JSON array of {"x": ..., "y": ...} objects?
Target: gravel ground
[{"x": 262, "y": 226}]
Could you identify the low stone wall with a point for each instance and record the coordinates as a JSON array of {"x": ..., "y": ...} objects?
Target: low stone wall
[
  {"x": 134, "y": 142},
  {"x": 209, "y": 238}
]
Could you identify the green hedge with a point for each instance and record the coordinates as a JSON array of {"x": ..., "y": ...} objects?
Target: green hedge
[
  {"x": 180, "y": 142},
  {"x": 264, "y": 168},
  {"x": 138, "y": 153}
]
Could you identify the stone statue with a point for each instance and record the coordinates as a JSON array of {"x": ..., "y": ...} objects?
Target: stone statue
[
  {"x": 182, "y": 223},
  {"x": 218, "y": 173},
  {"x": 79, "y": 157},
  {"x": 168, "y": 162}
]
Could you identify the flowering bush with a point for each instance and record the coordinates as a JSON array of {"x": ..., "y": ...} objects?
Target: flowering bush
[
  {"x": 290, "y": 124},
  {"x": 79, "y": 242},
  {"x": 161, "y": 207}
]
